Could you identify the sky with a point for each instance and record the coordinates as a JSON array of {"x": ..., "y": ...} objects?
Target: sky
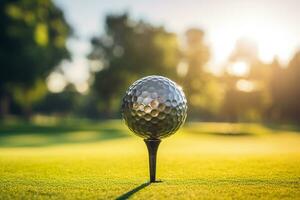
[{"x": 273, "y": 24}]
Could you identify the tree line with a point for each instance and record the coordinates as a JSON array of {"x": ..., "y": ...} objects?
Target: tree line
[{"x": 33, "y": 43}]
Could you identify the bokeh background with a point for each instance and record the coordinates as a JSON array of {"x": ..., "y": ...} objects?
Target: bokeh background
[{"x": 236, "y": 60}]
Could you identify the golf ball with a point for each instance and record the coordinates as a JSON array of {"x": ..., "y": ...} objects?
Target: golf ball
[{"x": 154, "y": 107}]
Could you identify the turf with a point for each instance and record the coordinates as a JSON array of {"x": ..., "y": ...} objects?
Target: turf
[{"x": 104, "y": 161}]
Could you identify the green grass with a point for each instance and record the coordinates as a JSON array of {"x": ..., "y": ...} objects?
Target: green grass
[{"x": 104, "y": 161}]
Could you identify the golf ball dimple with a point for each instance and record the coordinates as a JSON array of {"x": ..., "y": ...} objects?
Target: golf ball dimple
[{"x": 154, "y": 107}]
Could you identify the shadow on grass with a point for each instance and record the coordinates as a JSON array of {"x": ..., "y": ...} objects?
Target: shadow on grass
[
  {"x": 133, "y": 191},
  {"x": 223, "y": 133},
  {"x": 230, "y": 134},
  {"x": 30, "y": 135},
  {"x": 240, "y": 129},
  {"x": 283, "y": 127}
]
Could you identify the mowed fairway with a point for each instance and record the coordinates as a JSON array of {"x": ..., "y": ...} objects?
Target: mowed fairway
[{"x": 104, "y": 161}]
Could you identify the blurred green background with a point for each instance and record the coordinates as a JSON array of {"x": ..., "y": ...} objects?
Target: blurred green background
[{"x": 49, "y": 67}]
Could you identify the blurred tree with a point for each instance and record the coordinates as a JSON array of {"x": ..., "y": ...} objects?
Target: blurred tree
[
  {"x": 247, "y": 95},
  {"x": 33, "y": 41},
  {"x": 287, "y": 92},
  {"x": 126, "y": 52},
  {"x": 61, "y": 104},
  {"x": 245, "y": 50},
  {"x": 278, "y": 88},
  {"x": 202, "y": 89}
]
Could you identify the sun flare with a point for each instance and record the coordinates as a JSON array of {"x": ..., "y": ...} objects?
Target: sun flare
[
  {"x": 271, "y": 38},
  {"x": 239, "y": 68}
]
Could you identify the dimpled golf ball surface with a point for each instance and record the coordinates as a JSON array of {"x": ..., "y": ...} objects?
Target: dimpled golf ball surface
[{"x": 154, "y": 107}]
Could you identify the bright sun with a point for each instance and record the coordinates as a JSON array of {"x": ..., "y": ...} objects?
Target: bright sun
[
  {"x": 239, "y": 68},
  {"x": 272, "y": 40}
]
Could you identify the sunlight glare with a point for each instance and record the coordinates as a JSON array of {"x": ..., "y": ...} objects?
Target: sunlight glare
[
  {"x": 182, "y": 68},
  {"x": 82, "y": 87},
  {"x": 245, "y": 85},
  {"x": 272, "y": 38},
  {"x": 239, "y": 68},
  {"x": 56, "y": 82},
  {"x": 272, "y": 41}
]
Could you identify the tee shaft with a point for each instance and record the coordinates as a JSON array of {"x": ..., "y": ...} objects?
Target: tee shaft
[{"x": 152, "y": 146}]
